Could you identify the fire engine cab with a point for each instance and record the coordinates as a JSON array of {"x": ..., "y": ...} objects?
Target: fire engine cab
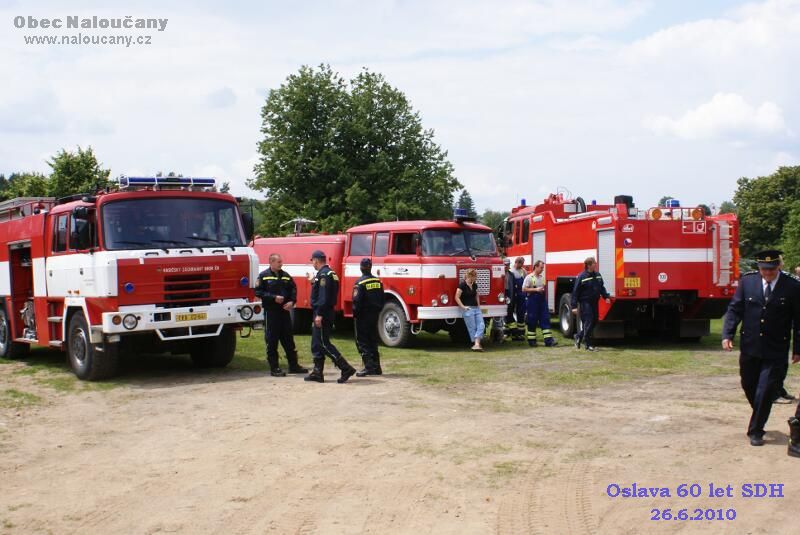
[
  {"x": 159, "y": 264},
  {"x": 420, "y": 264},
  {"x": 669, "y": 270}
]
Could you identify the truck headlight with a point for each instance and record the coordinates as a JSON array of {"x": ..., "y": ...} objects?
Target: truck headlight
[
  {"x": 501, "y": 297},
  {"x": 130, "y": 322},
  {"x": 444, "y": 299},
  {"x": 246, "y": 313}
]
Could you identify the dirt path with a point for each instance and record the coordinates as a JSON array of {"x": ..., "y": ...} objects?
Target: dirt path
[{"x": 246, "y": 453}]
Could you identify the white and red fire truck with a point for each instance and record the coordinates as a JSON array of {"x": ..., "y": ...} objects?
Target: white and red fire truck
[
  {"x": 420, "y": 264},
  {"x": 669, "y": 270},
  {"x": 158, "y": 264}
]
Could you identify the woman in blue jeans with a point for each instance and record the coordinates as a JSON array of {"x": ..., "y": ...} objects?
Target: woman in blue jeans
[{"x": 467, "y": 299}]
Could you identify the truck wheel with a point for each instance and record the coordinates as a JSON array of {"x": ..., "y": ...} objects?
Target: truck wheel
[
  {"x": 566, "y": 319},
  {"x": 215, "y": 352},
  {"x": 393, "y": 326},
  {"x": 87, "y": 361},
  {"x": 8, "y": 348},
  {"x": 458, "y": 332}
]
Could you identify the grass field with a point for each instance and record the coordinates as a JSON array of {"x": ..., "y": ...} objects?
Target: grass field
[{"x": 436, "y": 361}]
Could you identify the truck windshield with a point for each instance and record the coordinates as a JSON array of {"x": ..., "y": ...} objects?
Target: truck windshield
[
  {"x": 458, "y": 243},
  {"x": 170, "y": 222}
]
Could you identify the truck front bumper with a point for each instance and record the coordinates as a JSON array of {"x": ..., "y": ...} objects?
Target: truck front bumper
[
  {"x": 181, "y": 323},
  {"x": 446, "y": 313}
]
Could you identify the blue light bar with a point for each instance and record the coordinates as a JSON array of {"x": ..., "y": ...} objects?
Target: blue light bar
[{"x": 143, "y": 181}]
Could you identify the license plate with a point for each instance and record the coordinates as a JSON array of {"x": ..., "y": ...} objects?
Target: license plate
[
  {"x": 191, "y": 317},
  {"x": 633, "y": 282}
]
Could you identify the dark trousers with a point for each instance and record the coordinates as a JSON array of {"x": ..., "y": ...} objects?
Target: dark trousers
[
  {"x": 279, "y": 329},
  {"x": 589, "y": 314},
  {"x": 760, "y": 381},
  {"x": 510, "y": 322},
  {"x": 367, "y": 340},
  {"x": 538, "y": 315},
  {"x": 321, "y": 345}
]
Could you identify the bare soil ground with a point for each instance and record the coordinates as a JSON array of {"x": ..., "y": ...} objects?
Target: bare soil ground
[{"x": 236, "y": 451}]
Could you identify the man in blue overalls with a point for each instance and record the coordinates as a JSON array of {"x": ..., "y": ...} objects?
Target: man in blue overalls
[{"x": 538, "y": 314}]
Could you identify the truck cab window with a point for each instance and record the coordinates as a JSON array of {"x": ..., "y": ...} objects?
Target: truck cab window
[
  {"x": 526, "y": 230},
  {"x": 82, "y": 232},
  {"x": 360, "y": 244},
  {"x": 381, "y": 244},
  {"x": 60, "y": 234},
  {"x": 405, "y": 243}
]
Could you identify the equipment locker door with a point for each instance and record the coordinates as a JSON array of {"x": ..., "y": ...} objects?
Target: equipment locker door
[
  {"x": 606, "y": 259},
  {"x": 539, "y": 252}
]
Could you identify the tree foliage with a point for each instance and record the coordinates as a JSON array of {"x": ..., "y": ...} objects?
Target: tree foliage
[
  {"x": 76, "y": 172},
  {"x": 727, "y": 207},
  {"x": 347, "y": 153},
  {"x": 764, "y": 205},
  {"x": 663, "y": 200}
]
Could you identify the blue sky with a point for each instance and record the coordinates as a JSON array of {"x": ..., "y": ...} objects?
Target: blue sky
[{"x": 600, "y": 97}]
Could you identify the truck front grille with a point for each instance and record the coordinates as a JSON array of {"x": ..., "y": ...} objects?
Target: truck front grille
[
  {"x": 484, "y": 279},
  {"x": 182, "y": 290}
]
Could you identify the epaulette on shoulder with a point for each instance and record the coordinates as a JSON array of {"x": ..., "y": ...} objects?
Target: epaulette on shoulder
[
  {"x": 754, "y": 272},
  {"x": 792, "y": 275}
]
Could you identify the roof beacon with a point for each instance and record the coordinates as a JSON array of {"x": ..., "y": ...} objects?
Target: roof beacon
[{"x": 165, "y": 182}]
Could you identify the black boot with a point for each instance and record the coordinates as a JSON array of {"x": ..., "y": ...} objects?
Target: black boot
[
  {"x": 550, "y": 342},
  {"x": 347, "y": 370},
  {"x": 316, "y": 374},
  {"x": 294, "y": 365},
  {"x": 794, "y": 437},
  {"x": 274, "y": 369}
]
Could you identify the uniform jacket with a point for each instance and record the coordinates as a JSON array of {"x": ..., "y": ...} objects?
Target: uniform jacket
[
  {"x": 588, "y": 288},
  {"x": 324, "y": 292},
  {"x": 271, "y": 285},
  {"x": 519, "y": 276},
  {"x": 367, "y": 295},
  {"x": 766, "y": 326}
]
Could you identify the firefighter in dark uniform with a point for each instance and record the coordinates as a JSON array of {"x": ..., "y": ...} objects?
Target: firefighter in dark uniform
[
  {"x": 367, "y": 305},
  {"x": 510, "y": 323},
  {"x": 767, "y": 304},
  {"x": 324, "y": 292},
  {"x": 588, "y": 290},
  {"x": 278, "y": 294},
  {"x": 518, "y": 273}
]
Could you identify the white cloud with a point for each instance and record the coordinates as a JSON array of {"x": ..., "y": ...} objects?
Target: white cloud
[
  {"x": 725, "y": 115},
  {"x": 221, "y": 98}
]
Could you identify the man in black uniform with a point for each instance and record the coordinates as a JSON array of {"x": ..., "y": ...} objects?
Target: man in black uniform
[
  {"x": 367, "y": 305},
  {"x": 587, "y": 291},
  {"x": 324, "y": 291},
  {"x": 767, "y": 304},
  {"x": 278, "y": 294}
]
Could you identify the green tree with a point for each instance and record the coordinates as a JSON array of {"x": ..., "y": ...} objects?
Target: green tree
[
  {"x": 727, "y": 207},
  {"x": 705, "y": 207},
  {"x": 225, "y": 188},
  {"x": 347, "y": 153},
  {"x": 465, "y": 201},
  {"x": 494, "y": 220},
  {"x": 76, "y": 172},
  {"x": 27, "y": 185},
  {"x": 790, "y": 237},
  {"x": 764, "y": 205}
]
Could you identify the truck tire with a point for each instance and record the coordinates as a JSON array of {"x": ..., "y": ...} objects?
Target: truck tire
[
  {"x": 301, "y": 320},
  {"x": 88, "y": 361},
  {"x": 566, "y": 319},
  {"x": 458, "y": 332},
  {"x": 8, "y": 348},
  {"x": 393, "y": 326},
  {"x": 214, "y": 352}
]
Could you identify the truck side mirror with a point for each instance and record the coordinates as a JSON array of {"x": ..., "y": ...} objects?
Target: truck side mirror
[
  {"x": 247, "y": 224},
  {"x": 80, "y": 213},
  {"x": 80, "y": 238}
]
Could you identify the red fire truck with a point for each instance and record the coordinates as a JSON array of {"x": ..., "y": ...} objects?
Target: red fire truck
[
  {"x": 669, "y": 270},
  {"x": 420, "y": 264},
  {"x": 159, "y": 264}
]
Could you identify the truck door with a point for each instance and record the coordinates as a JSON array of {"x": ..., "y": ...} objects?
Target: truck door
[
  {"x": 401, "y": 269},
  {"x": 359, "y": 246},
  {"x": 606, "y": 258},
  {"x": 539, "y": 252}
]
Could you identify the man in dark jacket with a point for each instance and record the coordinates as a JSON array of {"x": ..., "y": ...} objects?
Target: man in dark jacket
[
  {"x": 278, "y": 294},
  {"x": 367, "y": 306},
  {"x": 324, "y": 293},
  {"x": 767, "y": 304},
  {"x": 588, "y": 290}
]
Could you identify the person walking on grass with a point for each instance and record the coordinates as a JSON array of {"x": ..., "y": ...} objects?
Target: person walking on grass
[{"x": 467, "y": 299}]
